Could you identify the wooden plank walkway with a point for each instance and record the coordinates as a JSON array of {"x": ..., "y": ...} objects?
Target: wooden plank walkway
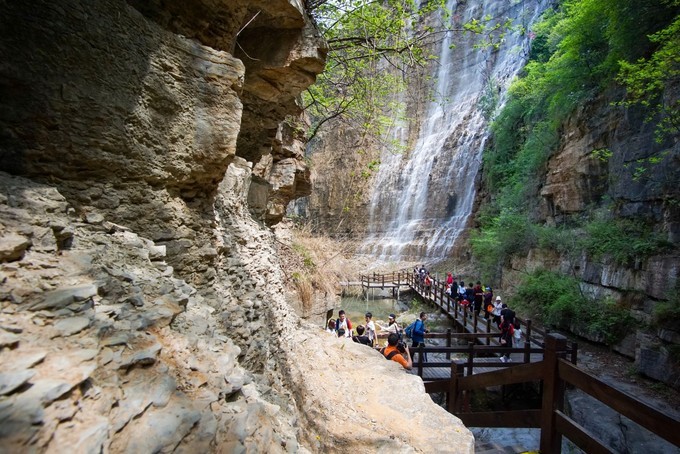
[
  {"x": 544, "y": 357},
  {"x": 478, "y": 331}
]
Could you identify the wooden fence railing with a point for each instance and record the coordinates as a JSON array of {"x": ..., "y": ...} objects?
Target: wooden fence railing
[{"x": 555, "y": 373}]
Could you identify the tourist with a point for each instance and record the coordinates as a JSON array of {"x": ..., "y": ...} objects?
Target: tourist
[
  {"x": 361, "y": 338},
  {"x": 505, "y": 339},
  {"x": 428, "y": 283},
  {"x": 419, "y": 331},
  {"x": 330, "y": 327},
  {"x": 370, "y": 328},
  {"x": 395, "y": 351},
  {"x": 497, "y": 306},
  {"x": 470, "y": 293},
  {"x": 488, "y": 302},
  {"x": 344, "y": 323},
  {"x": 507, "y": 313},
  {"x": 392, "y": 326},
  {"x": 449, "y": 280},
  {"x": 478, "y": 297},
  {"x": 461, "y": 291}
]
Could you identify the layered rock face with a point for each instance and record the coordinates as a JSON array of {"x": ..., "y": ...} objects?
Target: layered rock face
[
  {"x": 142, "y": 305},
  {"x": 577, "y": 180}
]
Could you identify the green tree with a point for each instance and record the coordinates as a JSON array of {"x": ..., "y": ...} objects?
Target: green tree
[{"x": 372, "y": 47}]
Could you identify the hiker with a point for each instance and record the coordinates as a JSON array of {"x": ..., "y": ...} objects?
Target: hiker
[
  {"x": 344, "y": 324},
  {"x": 395, "y": 351},
  {"x": 506, "y": 337},
  {"x": 497, "y": 306},
  {"x": 419, "y": 331},
  {"x": 507, "y": 314},
  {"x": 470, "y": 293},
  {"x": 361, "y": 338},
  {"x": 370, "y": 328},
  {"x": 392, "y": 326},
  {"x": 449, "y": 280},
  {"x": 478, "y": 297},
  {"x": 461, "y": 291},
  {"x": 488, "y": 303},
  {"x": 330, "y": 328},
  {"x": 428, "y": 283}
]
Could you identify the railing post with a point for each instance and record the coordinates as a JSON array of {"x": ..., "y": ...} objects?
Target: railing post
[
  {"x": 488, "y": 331},
  {"x": 454, "y": 393},
  {"x": 465, "y": 316},
  {"x": 574, "y": 352},
  {"x": 420, "y": 361},
  {"x": 471, "y": 354},
  {"x": 528, "y": 333},
  {"x": 527, "y": 354},
  {"x": 474, "y": 321},
  {"x": 448, "y": 343},
  {"x": 553, "y": 394}
]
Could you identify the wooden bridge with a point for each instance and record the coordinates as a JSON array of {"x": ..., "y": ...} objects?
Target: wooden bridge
[{"x": 544, "y": 358}]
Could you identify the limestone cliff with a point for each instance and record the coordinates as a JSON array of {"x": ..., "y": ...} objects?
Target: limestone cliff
[
  {"x": 143, "y": 306},
  {"x": 577, "y": 181}
]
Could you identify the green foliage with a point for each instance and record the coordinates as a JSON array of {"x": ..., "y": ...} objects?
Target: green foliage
[
  {"x": 622, "y": 240},
  {"x": 307, "y": 259},
  {"x": 578, "y": 49},
  {"x": 667, "y": 313},
  {"x": 647, "y": 79},
  {"x": 556, "y": 300},
  {"x": 507, "y": 234},
  {"x": 372, "y": 47},
  {"x": 370, "y": 44}
]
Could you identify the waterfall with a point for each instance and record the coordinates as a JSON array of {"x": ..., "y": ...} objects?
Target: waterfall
[{"x": 421, "y": 200}]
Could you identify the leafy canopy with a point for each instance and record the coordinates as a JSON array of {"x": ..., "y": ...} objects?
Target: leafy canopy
[{"x": 372, "y": 46}]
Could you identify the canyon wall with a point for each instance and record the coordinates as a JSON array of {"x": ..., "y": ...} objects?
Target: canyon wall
[
  {"x": 577, "y": 182},
  {"x": 144, "y": 146}
]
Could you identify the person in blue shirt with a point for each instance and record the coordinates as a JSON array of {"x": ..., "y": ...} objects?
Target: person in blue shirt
[{"x": 419, "y": 332}]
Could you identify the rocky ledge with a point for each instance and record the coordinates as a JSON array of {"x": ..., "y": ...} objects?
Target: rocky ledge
[{"x": 103, "y": 350}]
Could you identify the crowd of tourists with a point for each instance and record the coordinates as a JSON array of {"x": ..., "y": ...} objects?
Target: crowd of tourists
[{"x": 477, "y": 297}]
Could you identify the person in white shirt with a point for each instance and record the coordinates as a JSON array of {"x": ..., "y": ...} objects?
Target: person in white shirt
[
  {"x": 392, "y": 326},
  {"x": 370, "y": 328},
  {"x": 343, "y": 323}
]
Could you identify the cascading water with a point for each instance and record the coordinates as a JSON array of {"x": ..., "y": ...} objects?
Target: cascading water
[{"x": 421, "y": 201}]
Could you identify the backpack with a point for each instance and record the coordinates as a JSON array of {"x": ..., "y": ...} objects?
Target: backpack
[
  {"x": 389, "y": 356},
  {"x": 408, "y": 331}
]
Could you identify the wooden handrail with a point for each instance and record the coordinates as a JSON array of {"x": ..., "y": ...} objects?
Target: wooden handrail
[{"x": 623, "y": 403}]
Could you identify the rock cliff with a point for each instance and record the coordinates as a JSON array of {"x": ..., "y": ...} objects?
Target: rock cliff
[{"x": 142, "y": 304}]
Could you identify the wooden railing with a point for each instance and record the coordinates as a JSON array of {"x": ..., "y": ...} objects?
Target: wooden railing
[{"x": 555, "y": 373}]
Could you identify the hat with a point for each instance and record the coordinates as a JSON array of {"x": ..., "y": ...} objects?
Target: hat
[
  {"x": 498, "y": 298},
  {"x": 392, "y": 316}
]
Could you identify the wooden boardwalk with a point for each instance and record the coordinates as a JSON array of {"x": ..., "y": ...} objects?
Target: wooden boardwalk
[
  {"x": 458, "y": 371},
  {"x": 481, "y": 350}
]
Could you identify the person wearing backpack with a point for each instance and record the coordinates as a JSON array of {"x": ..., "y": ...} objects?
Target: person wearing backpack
[
  {"x": 395, "y": 351},
  {"x": 343, "y": 323},
  {"x": 418, "y": 334},
  {"x": 507, "y": 334}
]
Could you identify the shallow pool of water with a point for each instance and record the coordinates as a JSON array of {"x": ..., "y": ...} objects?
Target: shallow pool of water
[{"x": 356, "y": 308}]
